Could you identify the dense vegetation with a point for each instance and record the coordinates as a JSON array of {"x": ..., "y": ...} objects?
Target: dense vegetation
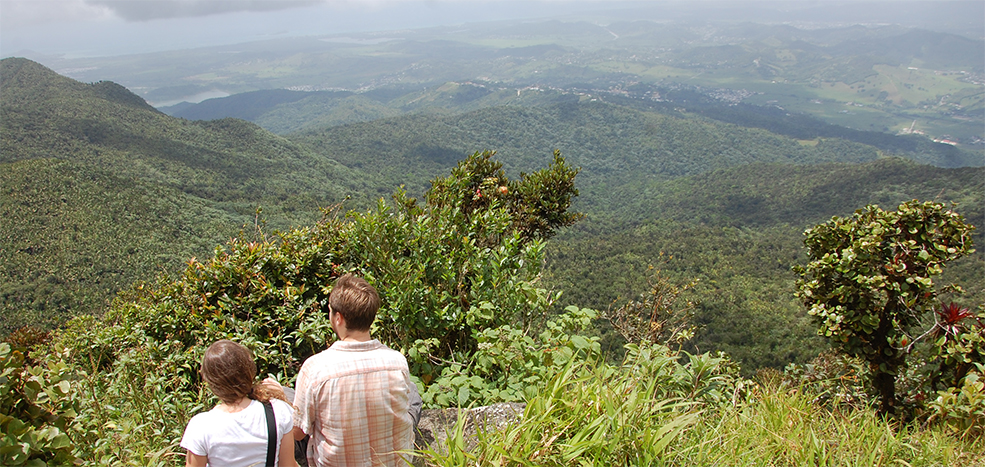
[
  {"x": 74, "y": 235},
  {"x": 739, "y": 233},
  {"x": 733, "y": 221},
  {"x": 695, "y": 207},
  {"x": 458, "y": 278}
]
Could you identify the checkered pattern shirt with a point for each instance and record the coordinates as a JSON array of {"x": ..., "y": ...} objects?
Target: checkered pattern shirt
[{"x": 352, "y": 398}]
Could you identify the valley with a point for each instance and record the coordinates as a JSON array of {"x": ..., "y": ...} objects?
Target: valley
[{"x": 650, "y": 169}]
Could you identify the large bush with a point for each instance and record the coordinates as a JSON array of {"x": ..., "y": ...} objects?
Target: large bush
[{"x": 869, "y": 282}]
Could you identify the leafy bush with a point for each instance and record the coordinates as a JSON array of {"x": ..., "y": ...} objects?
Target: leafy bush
[
  {"x": 37, "y": 407},
  {"x": 957, "y": 347},
  {"x": 963, "y": 407},
  {"x": 870, "y": 281},
  {"x": 445, "y": 271},
  {"x": 446, "y": 275},
  {"x": 511, "y": 364},
  {"x": 135, "y": 412}
]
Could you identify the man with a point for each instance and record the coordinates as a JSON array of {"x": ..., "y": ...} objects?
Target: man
[{"x": 355, "y": 399}]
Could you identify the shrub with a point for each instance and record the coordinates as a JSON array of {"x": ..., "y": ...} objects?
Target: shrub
[
  {"x": 963, "y": 407},
  {"x": 870, "y": 281},
  {"x": 510, "y": 363},
  {"x": 447, "y": 274},
  {"x": 37, "y": 407}
]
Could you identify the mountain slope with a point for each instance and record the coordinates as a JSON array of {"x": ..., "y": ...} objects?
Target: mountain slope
[
  {"x": 75, "y": 235},
  {"x": 46, "y": 115},
  {"x": 739, "y": 232},
  {"x": 612, "y": 144},
  {"x": 100, "y": 190}
]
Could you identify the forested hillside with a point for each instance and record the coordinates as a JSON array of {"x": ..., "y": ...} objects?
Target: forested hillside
[
  {"x": 100, "y": 190},
  {"x": 738, "y": 232},
  {"x": 614, "y": 145},
  {"x": 75, "y": 234},
  {"x": 105, "y": 125},
  {"x": 724, "y": 203}
]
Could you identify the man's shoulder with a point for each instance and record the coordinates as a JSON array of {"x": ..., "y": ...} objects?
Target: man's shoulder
[{"x": 344, "y": 358}]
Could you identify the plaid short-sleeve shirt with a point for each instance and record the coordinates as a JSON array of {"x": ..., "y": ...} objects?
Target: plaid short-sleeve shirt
[{"x": 352, "y": 398}]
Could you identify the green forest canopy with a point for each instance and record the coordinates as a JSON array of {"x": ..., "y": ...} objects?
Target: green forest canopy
[{"x": 726, "y": 204}]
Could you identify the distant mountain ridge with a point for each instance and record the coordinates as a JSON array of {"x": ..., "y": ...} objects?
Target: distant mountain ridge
[
  {"x": 247, "y": 106},
  {"x": 47, "y": 115},
  {"x": 292, "y": 111},
  {"x": 898, "y": 74}
]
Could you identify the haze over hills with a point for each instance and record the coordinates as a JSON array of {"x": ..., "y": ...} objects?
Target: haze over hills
[
  {"x": 108, "y": 190},
  {"x": 100, "y": 29},
  {"x": 875, "y": 77}
]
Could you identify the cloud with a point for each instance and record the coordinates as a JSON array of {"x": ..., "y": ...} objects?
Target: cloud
[
  {"x": 147, "y": 10},
  {"x": 26, "y": 13}
]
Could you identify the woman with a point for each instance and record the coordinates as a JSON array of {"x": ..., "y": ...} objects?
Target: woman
[{"x": 234, "y": 433}]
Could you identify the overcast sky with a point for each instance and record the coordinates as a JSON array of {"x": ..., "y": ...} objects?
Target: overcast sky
[
  {"x": 78, "y": 28},
  {"x": 113, "y": 27}
]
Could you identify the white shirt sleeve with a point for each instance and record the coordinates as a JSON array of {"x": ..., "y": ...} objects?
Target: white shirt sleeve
[
  {"x": 194, "y": 438},
  {"x": 284, "y": 415}
]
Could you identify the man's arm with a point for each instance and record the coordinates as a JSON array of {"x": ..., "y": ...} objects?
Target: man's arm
[
  {"x": 302, "y": 405},
  {"x": 415, "y": 404}
]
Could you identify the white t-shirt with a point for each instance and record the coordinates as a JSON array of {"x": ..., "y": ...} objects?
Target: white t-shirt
[{"x": 236, "y": 439}]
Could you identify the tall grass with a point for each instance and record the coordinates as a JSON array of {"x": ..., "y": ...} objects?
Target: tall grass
[
  {"x": 783, "y": 427},
  {"x": 586, "y": 415},
  {"x": 594, "y": 414}
]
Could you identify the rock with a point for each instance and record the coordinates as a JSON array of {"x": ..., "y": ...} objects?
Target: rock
[{"x": 437, "y": 424}]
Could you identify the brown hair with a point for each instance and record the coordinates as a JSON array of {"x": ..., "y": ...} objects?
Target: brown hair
[
  {"x": 230, "y": 371},
  {"x": 356, "y": 300}
]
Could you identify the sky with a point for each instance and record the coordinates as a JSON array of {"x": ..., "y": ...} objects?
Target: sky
[
  {"x": 88, "y": 28},
  {"x": 78, "y": 28}
]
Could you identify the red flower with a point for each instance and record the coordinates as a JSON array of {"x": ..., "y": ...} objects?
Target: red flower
[{"x": 949, "y": 317}]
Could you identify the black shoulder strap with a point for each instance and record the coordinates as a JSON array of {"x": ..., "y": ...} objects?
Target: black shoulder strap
[{"x": 271, "y": 434}]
